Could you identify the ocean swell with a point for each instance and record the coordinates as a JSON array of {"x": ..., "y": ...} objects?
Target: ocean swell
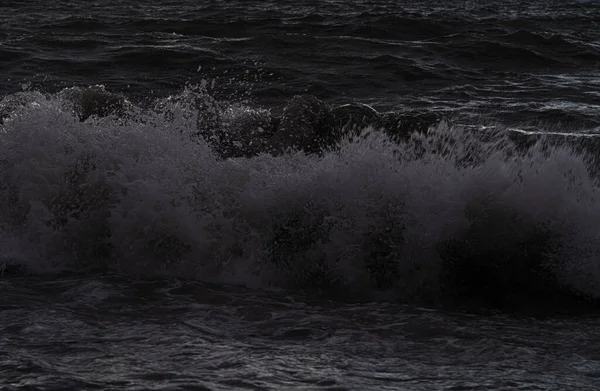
[{"x": 343, "y": 201}]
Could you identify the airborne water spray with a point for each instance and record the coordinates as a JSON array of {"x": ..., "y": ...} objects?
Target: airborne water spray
[{"x": 445, "y": 214}]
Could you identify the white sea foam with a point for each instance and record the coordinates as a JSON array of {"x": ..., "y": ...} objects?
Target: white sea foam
[{"x": 144, "y": 195}]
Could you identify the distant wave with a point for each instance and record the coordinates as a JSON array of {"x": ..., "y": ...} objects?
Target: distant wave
[
  {"x": 406, "y": 52},
  {"x": 344, "y": 201}
]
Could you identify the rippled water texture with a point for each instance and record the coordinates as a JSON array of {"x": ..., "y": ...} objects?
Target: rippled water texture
[
  {"x": 520, "y": 62},
  {"x": 113, "y": 334}
]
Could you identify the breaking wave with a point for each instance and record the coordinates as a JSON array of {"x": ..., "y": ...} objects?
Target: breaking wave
[{"x": 343, "y": 201}]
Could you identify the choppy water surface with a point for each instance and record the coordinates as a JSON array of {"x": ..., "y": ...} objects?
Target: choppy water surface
[
  {"x": 534, "y": 62},
  {"x": 113, "y": 333},
  {"x": 299, "y": 195}
]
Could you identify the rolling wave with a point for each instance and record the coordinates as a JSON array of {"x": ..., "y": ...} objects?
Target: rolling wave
[{"x": 344, "y": 201}]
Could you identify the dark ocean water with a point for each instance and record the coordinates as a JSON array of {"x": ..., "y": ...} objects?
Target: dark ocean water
[{"x": 258, "y": 195}]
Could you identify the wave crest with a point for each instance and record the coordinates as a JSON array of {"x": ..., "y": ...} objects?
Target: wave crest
[{"x": 434, "y": 214}]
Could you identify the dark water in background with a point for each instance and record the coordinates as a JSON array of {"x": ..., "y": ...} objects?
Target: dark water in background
[
  {"x": 155, "y": 232},
  {"x": 517, "y": 61}
]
